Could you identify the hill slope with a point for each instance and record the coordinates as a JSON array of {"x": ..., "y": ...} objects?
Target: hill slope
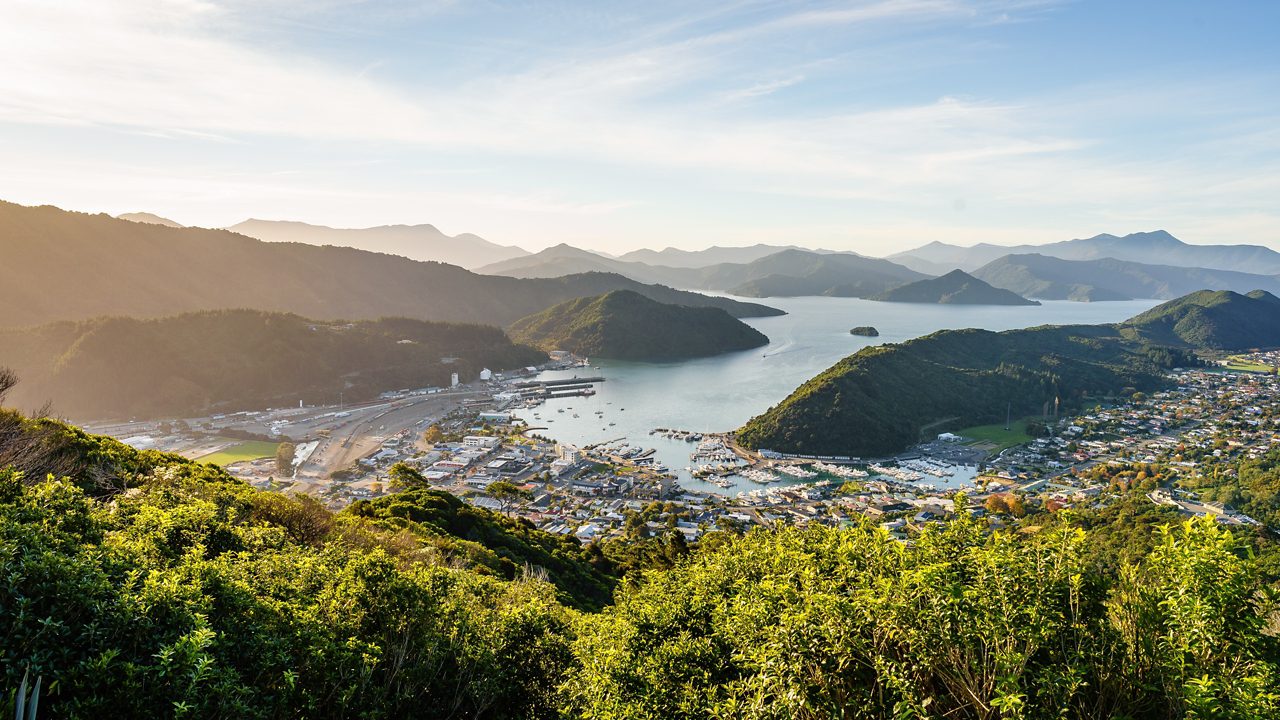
[
  {"x": 123, "y": 268},
  {"x": 238, "y": 359},
  {"x": 628, "y": 326},
  {"x": 1222, "y": 320},
  {"x": 150, "y": 219},
  {"x": 416, "y": 242},
  {"x": 1142, "y": 247},
  {"x": 1051, "y": 278},
  {"x": 955, "y": 288},
  {"x": 877, "y": 401}
]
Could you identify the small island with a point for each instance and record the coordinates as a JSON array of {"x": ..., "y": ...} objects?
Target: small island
[
  {"x": 625, "y": 325},
  {"x": 865, "y": 331}
]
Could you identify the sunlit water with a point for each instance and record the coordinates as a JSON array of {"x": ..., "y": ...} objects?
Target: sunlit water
[{"x": 723, "y": 392}]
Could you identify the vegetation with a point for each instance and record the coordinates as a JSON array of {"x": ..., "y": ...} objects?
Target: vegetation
[
  {"x": 250, "y": 450},
  {"x": 239, "y": 359},
  {"x": 1219, "y": 320},
  {"x": 865, "y": 331},
  {"x": 139, "y": 584},
  {"x": 879, "y": 400},
  {"x": 955, "y": 288},
  {"x": 142, "y": 270},
  {"x": 629, "y": 326}
]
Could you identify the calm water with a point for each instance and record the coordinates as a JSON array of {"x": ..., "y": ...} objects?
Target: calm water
[{"x": 721, "y": 393}]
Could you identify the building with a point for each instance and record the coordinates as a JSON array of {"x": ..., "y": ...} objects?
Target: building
[
  {"x": 480, "y": 441},
  {"x": 486, "y": 375},
  {"x": 453, "y": 380}
]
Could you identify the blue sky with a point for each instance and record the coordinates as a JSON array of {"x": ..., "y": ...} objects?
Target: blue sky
[{"x": 872, "y": 125}]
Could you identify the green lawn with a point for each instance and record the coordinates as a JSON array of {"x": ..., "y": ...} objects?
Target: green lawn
[
  {"x": 251, "y": 450},
  {"x": 996, "y": 434},
  {"x": 1242, "y": 364}
]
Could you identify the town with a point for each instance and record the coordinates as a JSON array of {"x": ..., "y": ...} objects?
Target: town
[{"x": 467, "y": 441}]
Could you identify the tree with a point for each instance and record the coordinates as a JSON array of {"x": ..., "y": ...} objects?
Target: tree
[
  {"x": 996, "y": 504},
  {"x": 506, "y": 493},
  {"x": 8, "y": 379},
  {"x": 403, "y": 476},
  {"x": 285, "y": 452},
  {"x": 433, "y": 435}
]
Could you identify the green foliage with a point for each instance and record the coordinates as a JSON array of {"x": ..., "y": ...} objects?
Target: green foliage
[
  {"x": 629, "y": 326},
  {"x": 822, "y": 623},
  {"x": 434, "y": 524},
  {"x": 879, "y": 400}
]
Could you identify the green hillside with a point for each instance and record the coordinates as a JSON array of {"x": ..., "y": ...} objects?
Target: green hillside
[
  {"x": 239, "y": 359},
  {"x": 627, "y": 326},
  {"x": 879, "y": 400},
  {"x": 1221, "y": 320},
  {"x": 955, "y": 288},
  {"x": 142, "y": 585},
  {"x": 143, "y": 270}
]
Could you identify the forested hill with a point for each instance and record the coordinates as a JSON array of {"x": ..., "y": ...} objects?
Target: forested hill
[
  {"x": 955, "y": 288},
  {"x": 1222, "y": 320},
  {"x": 879, "y": 401},
  {"x": 141, "y": 585},
  {"x": 239, "y": 359},
  {"x": 117, "y": 267},
  {"x": 628, "y": 326}
]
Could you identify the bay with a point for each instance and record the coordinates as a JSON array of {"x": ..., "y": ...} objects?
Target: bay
[{"x": 720, "y": 393}]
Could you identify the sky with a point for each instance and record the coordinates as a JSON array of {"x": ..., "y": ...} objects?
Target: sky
[{"x": 870, "y": 125}]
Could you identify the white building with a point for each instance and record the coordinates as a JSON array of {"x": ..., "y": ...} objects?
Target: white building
[
  {"x": 480, "y": 441},
  {"x": 486, "y": 375},
  {"x": 453, "y": 381}
]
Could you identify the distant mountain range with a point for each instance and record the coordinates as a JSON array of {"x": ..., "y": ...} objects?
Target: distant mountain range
[
  {"x": 150, "y": 219},
  {"x": 955, "y": 288},
  {"x": 1144, "y": 247},
  {"x": 60, "y": 265},
  {"x": 1051, "y": 278},
  {"x": 416, "y": 242},
  {"x": 227, "y": 360},
  {"x": 784, "y": 273},
  {"x": 714, "y": 255},
  {"x": 628, "y": 326}
]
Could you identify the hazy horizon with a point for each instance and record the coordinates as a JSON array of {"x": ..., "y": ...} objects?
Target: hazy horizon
[{"x": 873, "y": 126}]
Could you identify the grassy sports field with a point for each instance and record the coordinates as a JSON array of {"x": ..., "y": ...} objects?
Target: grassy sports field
[
  {"x": 249, "y": 450},
  {"x": 996, "y": 434}
]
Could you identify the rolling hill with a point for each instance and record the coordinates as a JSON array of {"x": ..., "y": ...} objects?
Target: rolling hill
[
  {"x": 1143, "y": 247},
  {"x": 1220, "y": 320},
  {"x": 628, "y": 326},
  {"x": 880, "y": 400},
  {"x": 141, "y": 270},
  {"x": 416, "y": 242},
  {"x": 150, "y": 219},
  {"x": 239, "y": 359},
  {"x": 955, "y": 288},
  {"x": 714, "y": 255},
  {"x": 1051, "y": 278}
]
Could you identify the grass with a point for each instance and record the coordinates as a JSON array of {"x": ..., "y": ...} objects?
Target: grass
[
  {"x": 1243, "y": 364},
  {"x": 996, "y": 435},
  {"x": 251, "y": 450}
]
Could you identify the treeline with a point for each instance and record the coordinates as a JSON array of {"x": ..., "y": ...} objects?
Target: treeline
[
  {"x": 239, "y": 359},
  {"x": 140, "y": 584},
  {"x": 880, "y": 400}
]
